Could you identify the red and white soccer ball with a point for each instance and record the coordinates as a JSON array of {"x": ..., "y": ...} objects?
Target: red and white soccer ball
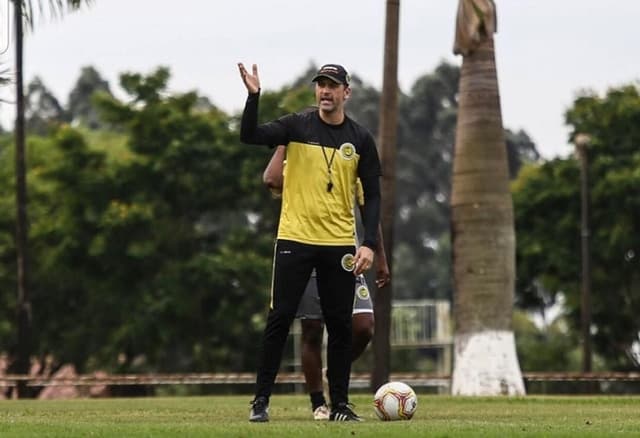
[{"x": 395, "y": 401}]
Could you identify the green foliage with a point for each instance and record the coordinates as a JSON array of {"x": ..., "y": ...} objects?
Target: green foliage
[
  {"x": 68, "y": 190},
  {"x": 42, "y": 110},
  {"x": 550, "y": 348},
  {"x": 55, "y": 8},
  {"x": 547, "y": 205},
  {"x": 151, "y": 242},
  {"x": 80, "y": 105},
  {"x": 182, "y": 252},
  {"x": 7, "y": 248},
  {"x": 520, "y": 150},
  {"x": 547, "y": 210},
  {"x": 146, "y": 255}
]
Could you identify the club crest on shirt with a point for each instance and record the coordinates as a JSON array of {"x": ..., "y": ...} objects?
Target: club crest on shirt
[
  {"x": 347, "y": 262},
  {"x": 363, "y": 292},
  {"x": 347, "y": 151}
]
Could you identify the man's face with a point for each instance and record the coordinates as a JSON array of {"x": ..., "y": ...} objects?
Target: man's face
[{"x": 330, "y": 96}]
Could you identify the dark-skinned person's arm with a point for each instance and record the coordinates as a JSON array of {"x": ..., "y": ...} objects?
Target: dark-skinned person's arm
[
  {"x": 383, "y": 274},
  {"x": 273, "y": 173},
  {"x": 370, "y": 219},
  {"x": 369, "y": 172}
]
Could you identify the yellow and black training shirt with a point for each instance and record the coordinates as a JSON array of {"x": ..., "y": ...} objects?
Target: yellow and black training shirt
[{"x": 323, "y": 163}]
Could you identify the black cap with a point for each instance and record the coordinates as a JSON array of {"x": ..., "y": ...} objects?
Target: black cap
[{"x": 335, "y": 72}]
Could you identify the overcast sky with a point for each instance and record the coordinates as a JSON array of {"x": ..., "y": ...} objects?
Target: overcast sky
[{"x": 547, "y": 50}]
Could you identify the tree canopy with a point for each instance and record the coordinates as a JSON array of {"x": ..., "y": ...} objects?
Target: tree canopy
[{"x": 547, "y": 205}]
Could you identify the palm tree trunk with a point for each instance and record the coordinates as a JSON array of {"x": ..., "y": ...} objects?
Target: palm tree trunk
[
  {"x": 388, "y": 139},
  {"x": 483, "y": 237},
  {"x": 23, "y": 340},
  {"x": 23, "y": 346}
]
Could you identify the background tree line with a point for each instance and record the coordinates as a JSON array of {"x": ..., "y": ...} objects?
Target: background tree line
[{"x": 151, "y": 234}]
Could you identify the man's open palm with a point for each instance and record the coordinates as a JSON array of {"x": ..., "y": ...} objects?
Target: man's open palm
[{"x": 251, "y": 80}]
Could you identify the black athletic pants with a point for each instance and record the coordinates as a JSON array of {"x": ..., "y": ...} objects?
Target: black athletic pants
[{"x": 293, "y": 263}]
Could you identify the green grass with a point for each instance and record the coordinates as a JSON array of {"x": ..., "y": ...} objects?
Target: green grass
[{"x": 226, "y": 416}]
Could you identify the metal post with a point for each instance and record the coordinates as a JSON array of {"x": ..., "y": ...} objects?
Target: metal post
[{"x": 582, "y": 143}]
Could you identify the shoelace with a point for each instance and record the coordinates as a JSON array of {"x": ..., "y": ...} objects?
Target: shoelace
[
  {"x": 349, "y": 406},
  {"x": 258, "y": 403},
  {"x": 344, "y": 412}
]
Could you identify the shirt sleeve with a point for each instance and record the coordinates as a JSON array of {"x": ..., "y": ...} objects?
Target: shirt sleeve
[
  {"x": 369, "y": 163},
  {"x": 369, "y": 172},
  {"x": 359, "y": 193},
  {"x": 270, "y": 134}
]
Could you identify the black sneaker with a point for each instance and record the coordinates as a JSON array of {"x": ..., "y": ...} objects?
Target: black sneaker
[
  {"x": 343, "y": 412},
  {"x": 259, "y": 410}
]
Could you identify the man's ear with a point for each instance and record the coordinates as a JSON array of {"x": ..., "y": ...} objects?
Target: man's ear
[{"x": 347, "y": 93}]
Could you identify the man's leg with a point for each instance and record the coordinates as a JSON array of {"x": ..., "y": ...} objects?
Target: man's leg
[
  {"x": 362, "y": 321},
  {"x": 362, "y": 324},
  {"x": 292, "y": 268},
  {"x": 310, "y": 315},
  {"x": 336, "y": 285},
  {"x": 311, "y": 358},
  {"x": 311, "y": 353}
]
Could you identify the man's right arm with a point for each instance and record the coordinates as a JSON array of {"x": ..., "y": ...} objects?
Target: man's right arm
[
  {"x": 269, "y": 134},
  {"x": 249, "y": 122}
]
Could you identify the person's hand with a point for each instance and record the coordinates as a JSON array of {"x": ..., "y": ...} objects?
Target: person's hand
[
  {"x": 383, "y": 276},
  {"x": 363, "y": 260},
  {"x": 251, "y": 80}
]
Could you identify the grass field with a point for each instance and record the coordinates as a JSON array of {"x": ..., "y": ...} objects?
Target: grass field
[{"x": 226, "y": 416}]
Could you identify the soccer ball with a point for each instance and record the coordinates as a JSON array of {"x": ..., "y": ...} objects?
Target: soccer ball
[{"x": 395, "y": 401}]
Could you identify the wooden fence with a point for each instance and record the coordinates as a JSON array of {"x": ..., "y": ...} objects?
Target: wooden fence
[{"x": 357, "y": 379}]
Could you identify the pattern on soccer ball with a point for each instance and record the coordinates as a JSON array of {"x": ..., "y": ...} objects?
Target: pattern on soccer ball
[{"x": 395, "y": 401}]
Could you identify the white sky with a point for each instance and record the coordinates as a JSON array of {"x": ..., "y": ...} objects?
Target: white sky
[{"x": 547, "y": 50}]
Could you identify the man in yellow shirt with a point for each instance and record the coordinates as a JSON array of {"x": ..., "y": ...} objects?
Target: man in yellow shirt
[
  {"x": 327, "y": 152},
  {"x": 310, "y": 311}
]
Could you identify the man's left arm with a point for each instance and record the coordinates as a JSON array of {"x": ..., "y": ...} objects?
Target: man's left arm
[
  {"x": 369, "y": 174},
  {"x": 370, "y": 219},
  {"x": 383, "y": 274}
]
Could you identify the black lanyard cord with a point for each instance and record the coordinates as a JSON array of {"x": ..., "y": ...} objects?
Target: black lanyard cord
[{"x": 329, "y": 162}]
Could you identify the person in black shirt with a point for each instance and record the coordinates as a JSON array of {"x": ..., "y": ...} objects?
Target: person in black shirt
[{"x": 327, "y": 152}]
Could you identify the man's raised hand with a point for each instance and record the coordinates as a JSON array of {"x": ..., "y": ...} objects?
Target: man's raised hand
[{"x": 251, "y": 80}]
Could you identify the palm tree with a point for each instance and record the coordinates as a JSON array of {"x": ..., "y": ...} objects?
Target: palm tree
[
  {"x": 388, "y": 135},
  {"x": 482, "y": 228},
  {"x": 23, "y": 11}
]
